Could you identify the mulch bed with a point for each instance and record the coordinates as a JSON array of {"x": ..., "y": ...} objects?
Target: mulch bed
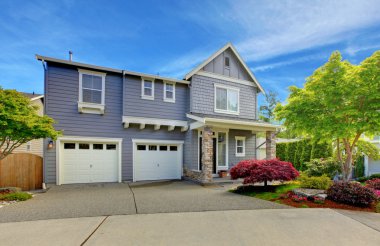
[
  {"x": 328, "y": 204},
  {"x": 5, "y": 191}
]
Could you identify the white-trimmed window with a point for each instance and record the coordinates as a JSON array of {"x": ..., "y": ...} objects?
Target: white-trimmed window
[
  {"x": 169, "y": 92},
  {"x": 240, "y": 146},
  {"x": 91, "y": 91},
  {"x": 226, "y": 99},
  {"x": 147, "y": 88}
]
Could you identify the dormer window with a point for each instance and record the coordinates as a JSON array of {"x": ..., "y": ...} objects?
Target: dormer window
[
  {"x": 147, "y": 89},
  {"x": 169, "y": 92},
  {"x": 91, "y": 92},
  {"x": 227, "y": 62}
]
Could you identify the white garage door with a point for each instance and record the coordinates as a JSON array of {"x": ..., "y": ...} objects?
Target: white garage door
[
  {"x": 155, "y": 161},
  {"x": 86, "y": 162}
]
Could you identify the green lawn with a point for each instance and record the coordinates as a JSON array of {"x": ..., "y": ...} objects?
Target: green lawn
[{"x": 270, "y": 195}]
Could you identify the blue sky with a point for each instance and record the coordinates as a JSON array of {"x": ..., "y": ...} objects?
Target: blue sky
[{"x": 283, "y": 42}]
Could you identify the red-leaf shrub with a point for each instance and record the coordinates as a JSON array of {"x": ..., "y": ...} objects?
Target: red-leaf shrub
[
  {"x": 351, "y": 193},
  {"x": 373, "y": 183},
  {"x": 258, "y": 171}
]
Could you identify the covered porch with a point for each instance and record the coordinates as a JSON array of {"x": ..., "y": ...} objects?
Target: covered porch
[{"x": 222, "y": 143}]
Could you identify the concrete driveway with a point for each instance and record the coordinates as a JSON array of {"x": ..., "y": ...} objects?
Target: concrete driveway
[
  {"x": 74, "y": 201},
  {"x": 243, "y": 227}
]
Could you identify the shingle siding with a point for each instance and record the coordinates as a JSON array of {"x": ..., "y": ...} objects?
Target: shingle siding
[{"x": 202, "y": 93}]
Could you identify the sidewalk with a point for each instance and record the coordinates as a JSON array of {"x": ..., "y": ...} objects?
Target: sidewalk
[{"x": 254, "y": 227}]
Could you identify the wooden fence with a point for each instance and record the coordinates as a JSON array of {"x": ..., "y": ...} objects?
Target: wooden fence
[{"x": 22, "y": 170}]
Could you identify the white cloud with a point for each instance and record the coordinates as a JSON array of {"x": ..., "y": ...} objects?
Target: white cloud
[
  {"x": 353, "y": 50},
  {"x": 283, "y": 27},
  {"x": 288, "y": 62},
  {"x": 266, "y": 29}
]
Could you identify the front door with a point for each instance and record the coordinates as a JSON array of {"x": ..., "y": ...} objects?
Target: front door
[{"x": 214, "y": 157}]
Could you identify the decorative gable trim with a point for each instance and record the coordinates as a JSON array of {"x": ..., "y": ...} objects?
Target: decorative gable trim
[
  {"x": 226, "y": 78},
  {"x": 212, "y": 57}
]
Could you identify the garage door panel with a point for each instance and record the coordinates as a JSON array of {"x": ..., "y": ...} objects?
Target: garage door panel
[
  {"x": 92, "y": 163},
  {"x": 155, "y": 163}
]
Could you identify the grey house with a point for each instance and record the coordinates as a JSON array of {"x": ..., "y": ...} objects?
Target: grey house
[{"x": 120, "y": 125}]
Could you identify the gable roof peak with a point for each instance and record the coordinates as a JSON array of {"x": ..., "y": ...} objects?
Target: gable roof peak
[{"x": 229, "y": 45}]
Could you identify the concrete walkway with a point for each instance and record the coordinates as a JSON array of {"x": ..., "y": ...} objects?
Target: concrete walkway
[
  {"x": 253, "y": 227},
  {"x": 74, "y": 201}
]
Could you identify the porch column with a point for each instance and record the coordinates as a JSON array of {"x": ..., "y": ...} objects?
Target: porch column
[
  {"x": 270, "y": 145},
  {"x": 207, "y": 155}
]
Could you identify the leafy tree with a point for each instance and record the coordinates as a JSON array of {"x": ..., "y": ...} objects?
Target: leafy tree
[
  {"x": 262, "y": 171},
  {"x": 339, "y": 103},
  {"x": 20, "y": 123},
  {"x": 267, "y": 110}
]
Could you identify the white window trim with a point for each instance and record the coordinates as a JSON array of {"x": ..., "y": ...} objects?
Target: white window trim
[
  {"x": 172, "y": 100},
  {"x": 86, "y": 107},
  {"x": 143, "y": 96},
  {"x": 236, "y": 146},
  {"x": 227, "y": 111}
]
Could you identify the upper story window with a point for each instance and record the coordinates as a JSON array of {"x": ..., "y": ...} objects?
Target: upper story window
[
  {"x": 226, "y": 99},
  {"x": 227, "y": 62},
  {"x": 147, "y": 88},
  {"x": 169, "y": 92},
  {"x": 240, "y": 146},
  {"x": 91, "y": 91}
]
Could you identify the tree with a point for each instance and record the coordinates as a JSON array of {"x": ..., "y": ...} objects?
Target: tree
[
  {"x": 20, "y": 123},
  {"x": 262, "y": 171},
  {"x": 267, "y": 110},
  {"x": 339, "y": 102}
]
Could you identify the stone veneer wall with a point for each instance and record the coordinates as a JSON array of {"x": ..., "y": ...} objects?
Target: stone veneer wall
[{"x": 270, "y": 145}]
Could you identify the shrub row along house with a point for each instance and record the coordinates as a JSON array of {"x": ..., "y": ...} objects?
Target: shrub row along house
[{"x": 120, "y": 125}]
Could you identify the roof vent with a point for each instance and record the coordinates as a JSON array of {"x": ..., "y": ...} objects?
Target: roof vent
[{"x": 70, "y": 55}]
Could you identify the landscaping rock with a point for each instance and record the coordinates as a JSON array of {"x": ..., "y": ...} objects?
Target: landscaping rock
[
  {"x": 310, "y": 193},
  {"x": 10, "y": 189}
]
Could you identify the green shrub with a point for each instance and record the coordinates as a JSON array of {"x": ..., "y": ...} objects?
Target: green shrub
[
  {"x": 319, "y": 167},
  {"x": 301, "y": 151},
  {"x": 18, "y": 196},
  {"x": 373, "y": 176},
  {"x": 321, "y": 183},
  {"x": 378, "y": 207},
  {"x": 359, "y": 167}
]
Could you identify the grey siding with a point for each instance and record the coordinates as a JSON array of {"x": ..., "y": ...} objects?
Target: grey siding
[
  {"x": 250, "y": 146},
  {"x": 191, "y": 150},
  {"x": 61, "y": 104},
  {"x": 236, "y": 69},
  {"x": 134, "y": 105},
  {"x": 202, "y": 94}
]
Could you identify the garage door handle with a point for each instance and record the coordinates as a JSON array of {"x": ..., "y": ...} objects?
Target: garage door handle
[
  {"x": 158, "y": 164},
  {"x": 91, "y": 166}
]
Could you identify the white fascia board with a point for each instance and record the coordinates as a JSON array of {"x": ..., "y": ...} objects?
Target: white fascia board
[
  {"x": 124, "y": 72},
  {"x": 251, "y": 125},
  {"x": 154, "y": 121},
  {"x": 38, "y": 97},
  {"x": 152, "y": 76},
  {"x": 77, "y": 64},
  {"x": 135, "y": 140},
  {"x": 90, "y": 139},
  {"x": 226, "y": 78},
  {"x": 194, "y": 117}
]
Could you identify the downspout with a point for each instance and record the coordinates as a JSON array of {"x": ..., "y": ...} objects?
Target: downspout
[
  {"x": 122, "y": 96},
  {"x": 44, "y": 149}
]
